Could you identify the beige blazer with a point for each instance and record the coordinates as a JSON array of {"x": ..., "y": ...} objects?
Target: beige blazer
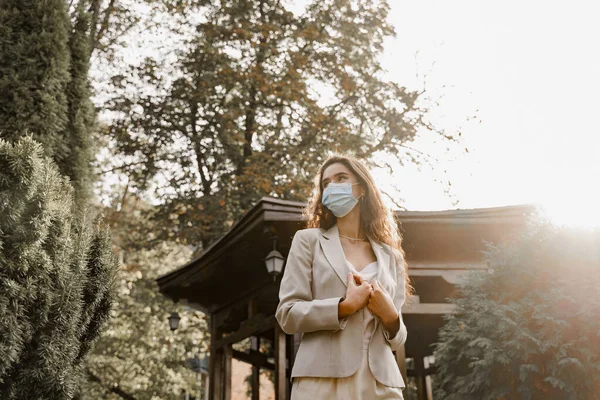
[{"x": 314, "y": 281}]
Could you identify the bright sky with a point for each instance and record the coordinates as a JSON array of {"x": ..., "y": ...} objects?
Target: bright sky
[{"x": 532, "y": 69}]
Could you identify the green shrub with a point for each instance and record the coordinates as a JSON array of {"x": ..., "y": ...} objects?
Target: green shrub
[
  {"x": 529, "y": 328},
  {"x": 57, "y": 274}
]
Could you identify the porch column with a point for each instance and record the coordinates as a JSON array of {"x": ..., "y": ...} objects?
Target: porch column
[
  {"x": 227, "y": 356},
  {"x": 254, "y": 346},
  {"x": 420, "y": 376},
  {"x": 280, "y": 364},
  {"x": 215, "y": 363}
]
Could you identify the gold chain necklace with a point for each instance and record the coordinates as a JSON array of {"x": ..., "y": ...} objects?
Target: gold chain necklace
[{"x": 353, "y": 239}]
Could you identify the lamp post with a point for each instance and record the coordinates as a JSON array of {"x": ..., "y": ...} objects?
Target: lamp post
[
  {"x": 200, "y": 366},
  {"x": 274, "y": 260},
  {"x": 174, "y": 321}
]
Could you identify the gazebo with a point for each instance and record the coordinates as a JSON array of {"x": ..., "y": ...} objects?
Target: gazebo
[{"x": 230, "y": 284}]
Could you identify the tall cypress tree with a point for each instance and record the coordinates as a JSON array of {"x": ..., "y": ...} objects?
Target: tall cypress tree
[
  {"x": 57, "y": 270},
  {"x": 81, "y": 113},
  {"x": 44, "y": 88},
  {"x": 34, "y": 72},
  {"x": 57, "y": 276}
]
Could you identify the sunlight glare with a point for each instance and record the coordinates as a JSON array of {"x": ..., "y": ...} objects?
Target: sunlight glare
[{"x": 568, "y": 210}]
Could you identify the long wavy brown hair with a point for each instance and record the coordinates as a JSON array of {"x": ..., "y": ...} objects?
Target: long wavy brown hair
[{"x": 377, "y": 220}]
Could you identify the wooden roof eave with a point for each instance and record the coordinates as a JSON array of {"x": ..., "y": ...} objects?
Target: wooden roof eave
[
  {"x": 266, "y": 210},
  {"x": 468, "y": 216}
]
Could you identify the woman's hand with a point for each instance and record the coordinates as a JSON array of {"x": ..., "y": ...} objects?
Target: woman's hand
[
  {"x": 381, "y": 304},
  {"x": 357, "y": 295}
]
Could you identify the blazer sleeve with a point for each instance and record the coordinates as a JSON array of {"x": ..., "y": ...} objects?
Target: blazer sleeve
[
  {"x": 297, "y": 311},
  {"x": 399, "y": 298}
]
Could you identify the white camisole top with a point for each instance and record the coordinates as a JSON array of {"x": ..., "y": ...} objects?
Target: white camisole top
[{"x": 368, "y": 273}]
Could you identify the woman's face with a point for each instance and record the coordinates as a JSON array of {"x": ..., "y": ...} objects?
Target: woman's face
[{"x": 339, "y": 173}]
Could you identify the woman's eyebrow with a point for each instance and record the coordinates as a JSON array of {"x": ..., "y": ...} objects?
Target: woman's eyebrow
[{"x": 339, "y": 173}]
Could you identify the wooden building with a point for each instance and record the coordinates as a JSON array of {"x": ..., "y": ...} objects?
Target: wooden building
[{"x": 230, "y": 283}]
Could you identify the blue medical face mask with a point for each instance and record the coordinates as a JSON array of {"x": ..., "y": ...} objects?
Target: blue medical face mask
[{"x": 338, "y": 198}]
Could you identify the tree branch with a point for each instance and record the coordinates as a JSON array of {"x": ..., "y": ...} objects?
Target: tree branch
[
  {"x": 104, "y": 24},
  {"x": 122, "y": 167},
  {"x": 114, "y": 389}
]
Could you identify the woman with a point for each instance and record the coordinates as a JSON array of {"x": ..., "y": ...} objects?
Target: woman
[{"x": 343, "y": 288}]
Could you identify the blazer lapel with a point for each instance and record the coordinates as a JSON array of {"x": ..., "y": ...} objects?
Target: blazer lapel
[
  {"x": 383, "y": 261},
  {"x": 383, "y": 273},
  {"x": 330, "y": 242}
]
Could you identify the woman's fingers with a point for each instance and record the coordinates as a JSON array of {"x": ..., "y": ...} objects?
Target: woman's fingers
[
  {"x": 380, "y": 286},
  {"x": 367, "y": 287},
  {"x": 359, "y": 279},
  {"x": 376, "y": 286},
  {"x": 373, "y": 288},
  {"x": 352, "y": 279}
]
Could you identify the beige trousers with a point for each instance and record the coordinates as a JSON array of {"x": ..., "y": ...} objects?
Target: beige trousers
[{"x": 360, "y": 386}]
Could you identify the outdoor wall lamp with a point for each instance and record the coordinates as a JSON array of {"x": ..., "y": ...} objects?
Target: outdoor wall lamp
[
  {"x": 199, "y": 364},
  {"x": 174, "y": 321},
  {"x": 274, "y": 260}
]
